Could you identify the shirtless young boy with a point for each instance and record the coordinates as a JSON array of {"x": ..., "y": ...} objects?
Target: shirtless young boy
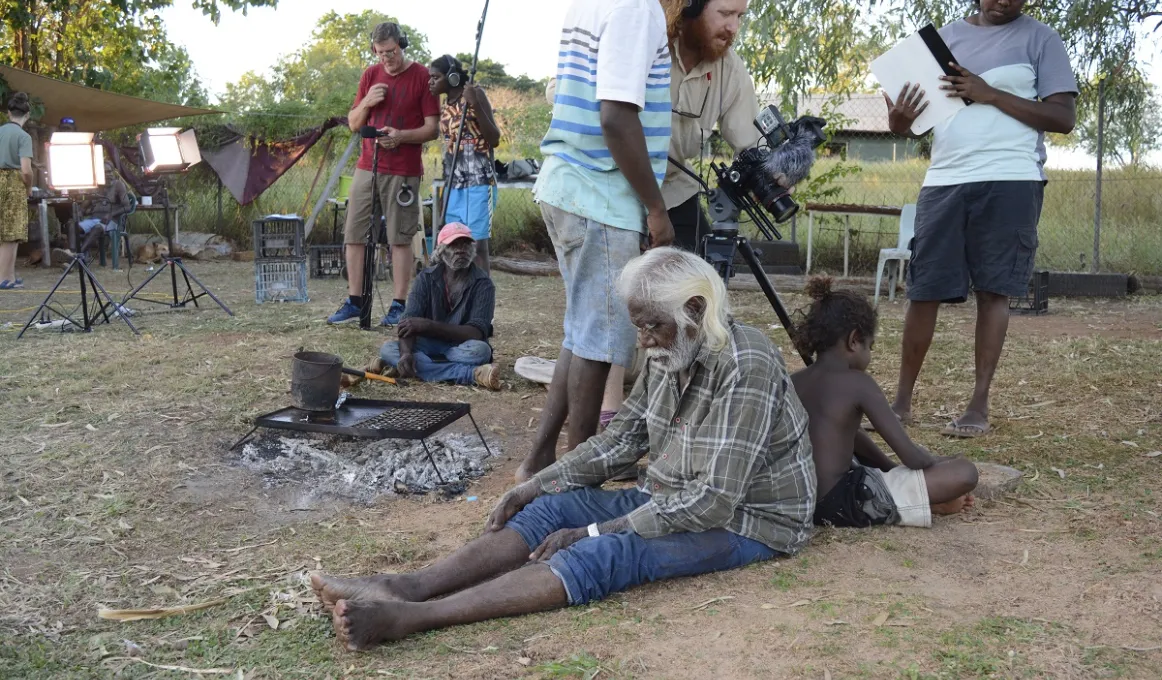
[{"x": 859, "y": 485}]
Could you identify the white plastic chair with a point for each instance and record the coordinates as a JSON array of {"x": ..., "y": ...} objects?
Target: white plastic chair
[{"x": 898, "y": 257}]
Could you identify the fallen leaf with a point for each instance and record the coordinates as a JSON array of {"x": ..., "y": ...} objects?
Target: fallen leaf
[
  {"x": 1040, "y": 433},
  {"x": 836, "y": 623},
  {"x": 1130, "y": 444},
  {"x": 768, "y": 606},
  {"x": 524, "y": 661},
  {"x": 1059, "y": 471},
  {"x": 271, "y": 621},
  {"x": 113, "y": 417},
  {"x": 881, "y": 619},
  {"x": 826, "y": 674},
  {"x": 799, "y": 603},
  {"x": 1154, "y": 454},
  {"x": 124, "y": 526},
  {"x": 90, "y": 428},
  {"x": 1025, "y": 559}
]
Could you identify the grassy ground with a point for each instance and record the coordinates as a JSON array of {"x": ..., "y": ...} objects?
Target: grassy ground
[{"x": 118, "y": 491}]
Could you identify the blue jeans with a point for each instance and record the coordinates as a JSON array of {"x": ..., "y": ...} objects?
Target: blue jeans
[
  {"x": 594, "y": 567},
  {"x": 457, "y": 364}
]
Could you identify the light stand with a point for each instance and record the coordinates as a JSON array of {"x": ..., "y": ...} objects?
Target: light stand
[
  {"x": 718, "y": 247},
  {"x": 451, "y": 172},
  {"x": 167, "y": 151},
  {"x": 76, "y": 163}
]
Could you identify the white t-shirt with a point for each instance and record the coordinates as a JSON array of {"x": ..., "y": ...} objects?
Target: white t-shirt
[{"x": 981, "y": 143}]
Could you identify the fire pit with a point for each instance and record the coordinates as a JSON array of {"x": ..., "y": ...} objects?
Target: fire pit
[{"x": 373, "y": 419}]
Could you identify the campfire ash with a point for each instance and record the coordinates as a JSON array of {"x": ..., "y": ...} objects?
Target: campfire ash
[{"x": 362, "y": 471}]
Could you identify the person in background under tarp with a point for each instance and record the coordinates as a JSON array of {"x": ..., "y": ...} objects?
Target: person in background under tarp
[
  {"x": 473, "y": 190},
  {"x": 16, "y": 179}
]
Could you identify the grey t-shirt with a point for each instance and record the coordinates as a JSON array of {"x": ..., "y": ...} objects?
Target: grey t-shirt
[
  {"x": 1025, "y": 58},
  {"x": 15, "y": 144}
]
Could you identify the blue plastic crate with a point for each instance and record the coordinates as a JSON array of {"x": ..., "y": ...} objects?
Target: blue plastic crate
[{"x": 280, "y": 280}]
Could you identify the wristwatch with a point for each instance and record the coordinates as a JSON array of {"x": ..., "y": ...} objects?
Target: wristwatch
[{"x": 593, "y": 530}]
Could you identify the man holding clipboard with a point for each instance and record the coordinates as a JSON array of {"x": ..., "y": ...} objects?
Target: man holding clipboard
[{"x": 977, "y": 214}]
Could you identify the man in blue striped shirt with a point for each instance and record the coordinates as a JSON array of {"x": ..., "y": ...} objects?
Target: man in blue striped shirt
[{"x": 599, "y": 190}]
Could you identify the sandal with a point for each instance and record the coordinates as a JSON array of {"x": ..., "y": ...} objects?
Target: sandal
[{"x": 970, "y": 431}]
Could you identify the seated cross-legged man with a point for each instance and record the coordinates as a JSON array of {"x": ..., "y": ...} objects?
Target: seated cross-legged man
[
  {"x": 730, "y": 480},
  {"x": 443, "y": 336},
  {"x": 859, "y": 485}
]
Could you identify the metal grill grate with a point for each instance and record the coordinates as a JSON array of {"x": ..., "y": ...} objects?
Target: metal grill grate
[{"x": 405, "y": 419}]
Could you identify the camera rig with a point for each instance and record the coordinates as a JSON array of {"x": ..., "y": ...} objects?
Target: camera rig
[{"x": 746, "y": 186}]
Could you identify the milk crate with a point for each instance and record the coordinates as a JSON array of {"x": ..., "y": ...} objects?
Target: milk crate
[
  {"x": 327, "y": 262},
  {"x": 1037, "y": 299},
  {"x": 278, "y": 238},
  {"x": 280, "y": 280}
]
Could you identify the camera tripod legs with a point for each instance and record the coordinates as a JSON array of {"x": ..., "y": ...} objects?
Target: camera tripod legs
[{"x": 173, "y": 264}]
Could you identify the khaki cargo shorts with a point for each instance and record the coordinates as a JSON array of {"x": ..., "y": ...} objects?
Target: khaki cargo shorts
[{"x": 402, "y": 222}]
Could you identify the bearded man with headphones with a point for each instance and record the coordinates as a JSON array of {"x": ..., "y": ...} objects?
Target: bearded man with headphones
[{"x": 393, "y": 97}]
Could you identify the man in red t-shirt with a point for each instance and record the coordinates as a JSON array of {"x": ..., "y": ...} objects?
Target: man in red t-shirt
[{"x": 393, "y": 98}]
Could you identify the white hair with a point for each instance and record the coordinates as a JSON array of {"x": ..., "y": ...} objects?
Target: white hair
[{"x": 667, "y": 278}]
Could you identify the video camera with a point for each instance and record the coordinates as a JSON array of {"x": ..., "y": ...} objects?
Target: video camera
[{"x": 749, "y": 181}]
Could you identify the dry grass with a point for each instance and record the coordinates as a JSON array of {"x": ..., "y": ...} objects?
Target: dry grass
[{"x": 117, "y": 491}]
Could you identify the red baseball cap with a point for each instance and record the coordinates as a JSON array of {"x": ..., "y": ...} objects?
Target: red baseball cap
[{"x": 453, "y": 231}]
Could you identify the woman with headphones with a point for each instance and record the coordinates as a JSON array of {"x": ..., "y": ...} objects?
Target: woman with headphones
[{"x": 473, "y": 193}]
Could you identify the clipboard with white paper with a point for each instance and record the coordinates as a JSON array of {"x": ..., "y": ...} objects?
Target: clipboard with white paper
[{"x": 922, "y": 58}]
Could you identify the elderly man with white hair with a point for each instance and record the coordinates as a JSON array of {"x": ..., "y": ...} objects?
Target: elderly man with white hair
[{"x": 730, "y": 480}]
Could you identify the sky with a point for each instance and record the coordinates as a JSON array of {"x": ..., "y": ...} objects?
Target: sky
[{"x": 264, "y": 34}]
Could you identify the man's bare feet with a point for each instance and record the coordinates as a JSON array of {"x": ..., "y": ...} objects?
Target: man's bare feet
[
  {"x": 331, "y": 589},
  {"x": 959, "y": 504},
  {"x": 362, "y": 624},
  {"x": 532, "y": 464},
  {"x": 968, "y": 426}
]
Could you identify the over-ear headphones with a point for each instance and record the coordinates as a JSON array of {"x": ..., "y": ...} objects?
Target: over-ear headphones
[
  {"x": 402, "y": 40},
  {"x": 456, "y": 73},
  {"x": 693, "y": 9},
  {"x": 453, "y": 79}
]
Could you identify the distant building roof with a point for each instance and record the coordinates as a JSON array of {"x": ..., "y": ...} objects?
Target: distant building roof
[{"x": 866, "y": 113}]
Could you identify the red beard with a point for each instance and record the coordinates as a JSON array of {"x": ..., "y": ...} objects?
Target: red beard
[{"x": 709, "y": 47}]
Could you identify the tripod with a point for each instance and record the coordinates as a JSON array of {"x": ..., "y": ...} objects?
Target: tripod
[
  {"x": 93, "y": 311},
  {"x": 463, "y": 117},
  {"x": 173, "y": 264}
]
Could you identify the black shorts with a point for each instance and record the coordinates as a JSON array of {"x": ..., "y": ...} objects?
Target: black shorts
[
  {"x": 979, "y": 236},
  {"x": 859, "y": 499}
]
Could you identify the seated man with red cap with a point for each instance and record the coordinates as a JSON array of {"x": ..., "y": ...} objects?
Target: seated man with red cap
[{"x": 443, "y": 335}]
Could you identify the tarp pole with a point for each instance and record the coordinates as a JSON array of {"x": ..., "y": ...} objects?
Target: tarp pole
[{"x": 355, "y": 139}]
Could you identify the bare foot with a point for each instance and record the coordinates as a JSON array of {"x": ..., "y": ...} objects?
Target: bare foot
[
  {"x": 331, "y": 589},
  {"x": 959, "y": 504},
  {"x": 533, "y": 464},
  {"x": 362, "y": 624}
]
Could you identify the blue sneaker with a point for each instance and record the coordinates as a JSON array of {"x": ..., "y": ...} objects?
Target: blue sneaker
[
  {"x": 394, "y": 314},
  {"x": 11, "y": 285},
  {"x": 346, "y": 314}
]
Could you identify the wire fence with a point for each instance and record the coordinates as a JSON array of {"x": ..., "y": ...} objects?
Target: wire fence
[{"x": 865, "y": 164}]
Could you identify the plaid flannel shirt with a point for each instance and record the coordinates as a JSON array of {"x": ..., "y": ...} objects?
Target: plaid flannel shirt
[{"x": 730, "y": 452}]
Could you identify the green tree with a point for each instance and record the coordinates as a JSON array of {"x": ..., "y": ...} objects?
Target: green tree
[
  {"x": 317, "y": 81},
  {"x": 1133, "y": 125},
  {"x": 119, "y": 45}
]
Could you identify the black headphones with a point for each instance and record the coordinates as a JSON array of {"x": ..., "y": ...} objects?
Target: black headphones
[
  {"x": 693, "y": 9},
  {"x": 456, "y": 74},
  {"x": 402, "y": 40}
]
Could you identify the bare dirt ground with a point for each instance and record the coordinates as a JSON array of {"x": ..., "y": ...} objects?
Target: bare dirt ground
[{"x": 118, "y": 491}]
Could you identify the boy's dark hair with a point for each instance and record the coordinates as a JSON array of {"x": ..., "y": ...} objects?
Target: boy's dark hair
[
  {"x": 19, "y": 104},
  {"x": 832, "y": 316}
]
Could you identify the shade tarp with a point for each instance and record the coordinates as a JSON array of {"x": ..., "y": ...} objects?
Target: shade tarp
[
  {"x": 249, "y": 166},
  {"x": 93, "y": 110}
]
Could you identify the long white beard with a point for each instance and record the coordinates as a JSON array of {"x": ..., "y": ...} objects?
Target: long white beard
[{"x": 679, "y": 356}]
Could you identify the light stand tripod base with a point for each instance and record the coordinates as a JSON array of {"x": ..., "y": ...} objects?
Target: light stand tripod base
[
  {"x": 101, "y": 301},
  {"x": 173, "y": 265}
]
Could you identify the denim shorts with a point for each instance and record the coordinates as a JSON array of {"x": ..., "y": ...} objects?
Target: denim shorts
[
  {"x": 591, "y": 256},
  {"x": 594, "y": 567},
  {"x": 980, "y": 236}
]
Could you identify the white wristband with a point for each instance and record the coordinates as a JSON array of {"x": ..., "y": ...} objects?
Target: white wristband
[{"x": 593, "y": 530}]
